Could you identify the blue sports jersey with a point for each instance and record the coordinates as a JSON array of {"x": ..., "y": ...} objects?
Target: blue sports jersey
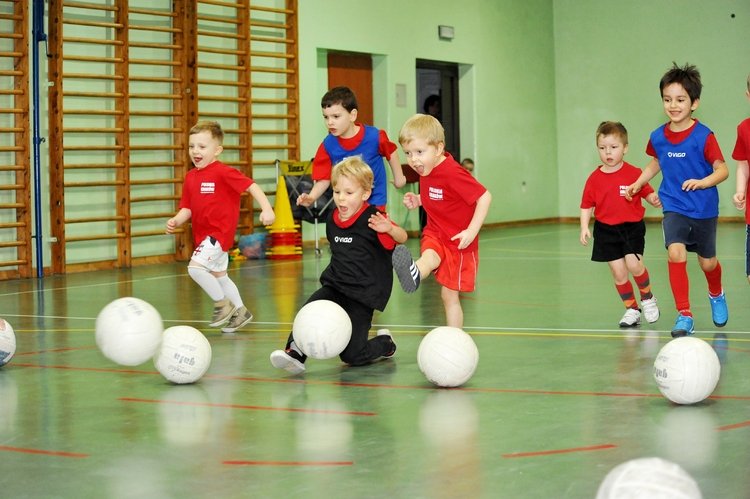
[
  {"x": 680, "y": 162},
  {"x": 369, "y": 151}
]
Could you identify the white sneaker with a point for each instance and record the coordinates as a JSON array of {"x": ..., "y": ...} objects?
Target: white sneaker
[
  {"x": 289, "y": 360},
  {"x": 631, "y": 318},
  {"x": 650, "y": 309}
]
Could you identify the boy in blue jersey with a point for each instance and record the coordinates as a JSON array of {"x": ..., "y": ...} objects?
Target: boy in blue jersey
[
  {"x": 347, "y": 138},
  {"x": 689, "y": 157}
]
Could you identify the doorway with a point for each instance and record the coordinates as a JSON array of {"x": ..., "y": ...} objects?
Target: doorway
[
  {"x": 437, "y": 94},
  {"x": 353, "y": 71}
]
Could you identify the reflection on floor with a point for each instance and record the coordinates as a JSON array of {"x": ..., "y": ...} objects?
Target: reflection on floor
[{"x": 561, "y": 395}]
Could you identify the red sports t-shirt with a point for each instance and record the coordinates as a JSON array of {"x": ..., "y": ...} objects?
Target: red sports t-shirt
[
  {"x": 742, "y": 153},
  {"x": 605, "y": 192},
  {"x": 449, "y": 196},
  {"x": 212, "y": 194},
  {"x": 322, "y": 162}
]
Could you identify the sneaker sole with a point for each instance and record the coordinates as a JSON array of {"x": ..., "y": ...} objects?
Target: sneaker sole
[
  {"x": 281, "y": 360},
  {"x": 401, "y": 260},
  {"x": 235, "y": 328},
  {"x": 679, "y": 333}
]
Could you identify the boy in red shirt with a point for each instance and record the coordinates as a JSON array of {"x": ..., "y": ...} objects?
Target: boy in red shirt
[
  {"x": 619, "y": 230},
  {"x": 741, "y": 154},
  {"x": 211, "y": 200},
  {"x": 456, "y": 206}
]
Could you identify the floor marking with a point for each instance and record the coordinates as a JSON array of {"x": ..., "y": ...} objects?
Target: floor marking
[
  {"x": 42, "y": 452},
  {"x": 288, "y": 463},
  {"x": 519, "y": 391},
  {"x": 560, "y": 451},
  {"x": 249, "y": 407},
  {"x": 735, "y": 426}
]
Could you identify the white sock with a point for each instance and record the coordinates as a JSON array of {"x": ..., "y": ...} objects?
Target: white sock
[
  {"x": 207, "y": 282},
  {"x": 230, "y": 290}
]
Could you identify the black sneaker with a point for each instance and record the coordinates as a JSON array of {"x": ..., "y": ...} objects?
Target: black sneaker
[
  {"x": 392, "y": 351},
  {"x": 406, "y": 269}
]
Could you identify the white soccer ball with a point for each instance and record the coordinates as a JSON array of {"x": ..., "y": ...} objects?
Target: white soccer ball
[
  {"x": 184, "y": 355},
  {"x": 648, "y": 477},
  {"x": 447, "y": 356},
  {"x": 7, "y": 342},
  {"x": 687, "y": 370},
  {"x": 128, "y": 331},
  {"x": 322, "y": 329}
]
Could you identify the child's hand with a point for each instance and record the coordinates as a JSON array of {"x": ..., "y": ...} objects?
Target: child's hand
[
  {"x": 411, "y": 200},
  {"x": 379, "y": 222},
  {"x": 631, "y": 191},
  {"x": 585, "y": 236},
  {"x": 465, "y": 237},
  {"x": 399, "y": 181},
  {"x": 171, "y": 225},
  {"x": 692, "y": 184},
  {"x": 267, "y": 217},
  {"x": 653, "y": 200},
  {"x": 739, "y": 200},
  {"x": 305, "y": 199}
]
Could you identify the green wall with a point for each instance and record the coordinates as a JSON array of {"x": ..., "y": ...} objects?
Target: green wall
[
  {"x": 538, "y": 77},
  {"x": 505, "y": 52},
  {"x": 609, "y": 58}
]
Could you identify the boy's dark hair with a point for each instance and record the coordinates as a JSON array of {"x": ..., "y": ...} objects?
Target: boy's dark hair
[
  {"x": 612, "y": 128},
  {"x": 340, "y": 95},
  {"x": 688, "y": 76}
]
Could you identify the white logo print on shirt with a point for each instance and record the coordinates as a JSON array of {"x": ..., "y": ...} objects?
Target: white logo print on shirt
[
  {"x": 436, "y": 194},
  {"x": 208, "y": 187}
]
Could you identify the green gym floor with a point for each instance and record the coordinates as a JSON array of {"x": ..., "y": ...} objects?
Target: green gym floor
[{"x": 560, "y": 397}]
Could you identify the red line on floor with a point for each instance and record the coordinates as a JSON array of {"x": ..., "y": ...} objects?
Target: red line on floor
[
  {"x": 735, "y": 426},
  {"x": 51, "y": 350},
  {"x": 42, "y": 452},
  {"x": 379, "y": 385},
  {"x": 250, "y": 407},
  {"x": 560, "y": 451},
  {"x": 288, "y": 463}
]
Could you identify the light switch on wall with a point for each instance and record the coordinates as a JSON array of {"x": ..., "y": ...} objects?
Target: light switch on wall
[{"x": 400, "y": 95}]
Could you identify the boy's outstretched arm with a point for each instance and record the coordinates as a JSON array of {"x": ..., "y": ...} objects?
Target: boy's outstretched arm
[
  {"x": 740, "y": 195},
  {"x": 307, "y": 199},
  {"x": 399, "y": 179},
  {"x": 379, "y": 222},
  {"x": 719, "y": 175},
  {"x": 467, "y": 235},
  {"x": 652, "y": 168},
  {"x": 180, "y": 218},
  {"x": 267, "y": 216}
]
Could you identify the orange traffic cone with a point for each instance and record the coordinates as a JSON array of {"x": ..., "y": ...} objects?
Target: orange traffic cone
[{"x": 283, "y": 209}]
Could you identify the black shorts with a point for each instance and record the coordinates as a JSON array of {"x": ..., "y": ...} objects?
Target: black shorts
[
  {"x": 697, "y": 234},
  {"x": 612, "y": 242}
]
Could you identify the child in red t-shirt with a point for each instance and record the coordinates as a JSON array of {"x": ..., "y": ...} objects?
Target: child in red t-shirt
[
  {"x": 211, "y": 200},
  {"x": 741, "y": 154},
  {"x": 456, "y": 205},
  {"x": 619, "y": 230}
]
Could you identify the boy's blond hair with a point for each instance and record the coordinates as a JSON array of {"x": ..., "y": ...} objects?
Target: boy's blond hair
[
  {"x": 212, "y": 127},
  {"x": 422, "y": 126},
  {"x": 354, "y": 169}
]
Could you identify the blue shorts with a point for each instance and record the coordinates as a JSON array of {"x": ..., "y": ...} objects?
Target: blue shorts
[{"x": 697, "y": 234}]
